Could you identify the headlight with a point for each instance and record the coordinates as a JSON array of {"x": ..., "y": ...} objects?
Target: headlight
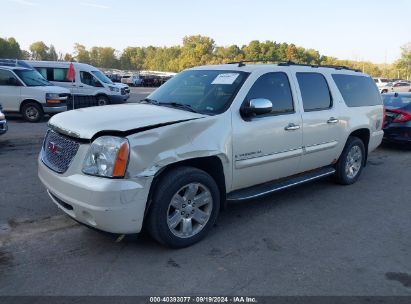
[
  {"x": 2, "y": 117},
  {"x": 107, "y": 157},
  {"x": 54, "y": 98},
  {"x": 114, "y": 89}
]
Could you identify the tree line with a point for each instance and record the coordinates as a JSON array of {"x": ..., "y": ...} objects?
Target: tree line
[{"x": 199, "y": 50}]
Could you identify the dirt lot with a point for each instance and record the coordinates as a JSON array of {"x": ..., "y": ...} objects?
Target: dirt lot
[{"x": 317, "y": 239}]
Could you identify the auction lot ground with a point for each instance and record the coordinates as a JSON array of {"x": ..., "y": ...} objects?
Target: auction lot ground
[{"x": 317, "y": 239}]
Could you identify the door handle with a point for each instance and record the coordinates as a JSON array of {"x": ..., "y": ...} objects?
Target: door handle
[
  {"x": 291, "y": 127},
  {"x": 81, "y": 86},
  {"x": 332, "y": 120}
]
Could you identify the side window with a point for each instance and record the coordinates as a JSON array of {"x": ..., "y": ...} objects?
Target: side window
[
  {"x": 7, "y": 78},
  {"x": 314, "y": 91},
  {"x": 60, "y": 74},
  {"x": 89, "y": 79},
  {"x": 276, "y": 88},
  {"x": 357, "y": 91}
]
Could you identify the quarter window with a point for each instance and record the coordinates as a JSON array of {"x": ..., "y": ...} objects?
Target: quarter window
[
  {"x": 357, "y": 91},
  {"x": 314, "y": 91},
  {"x": 276, "y": 88}
]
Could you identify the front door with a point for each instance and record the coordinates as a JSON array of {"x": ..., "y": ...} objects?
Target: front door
[
  {"x": 10, "y": 91},
  {"x": 268, "y": 146}
]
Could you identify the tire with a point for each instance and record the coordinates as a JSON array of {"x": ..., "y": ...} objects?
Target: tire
[
  {"x": 169, "y": 222},
  {"x": 351, "y": 162},
  {"x": 32, "y": 112},
  {"x": 102, "y": 100}
]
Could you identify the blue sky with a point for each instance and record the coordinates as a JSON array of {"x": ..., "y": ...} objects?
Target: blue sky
[{"x": 348, "y": 29}]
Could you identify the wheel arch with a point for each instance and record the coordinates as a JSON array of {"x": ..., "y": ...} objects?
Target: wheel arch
[
  {"x": 213, "y": 165},
  {"x": 364, "y": 134},
  {"x": 26, "y": 101}
]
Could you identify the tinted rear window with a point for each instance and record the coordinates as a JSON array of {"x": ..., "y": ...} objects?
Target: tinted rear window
[
  {"x": 357, "y": 91},
  {"x": 397, "y": 101}
]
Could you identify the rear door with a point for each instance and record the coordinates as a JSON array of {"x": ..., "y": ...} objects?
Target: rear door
[
  {"x": 269, "y": 146},
  {"x": 10, "y": 91},
  {"x": 322, "y": 128}
]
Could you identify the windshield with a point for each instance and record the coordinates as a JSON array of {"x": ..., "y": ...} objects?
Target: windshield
[
  {"x": 102, "y": 77},
  {"x": 32, "y": 78},
  {"x": 204, "y": 91}
]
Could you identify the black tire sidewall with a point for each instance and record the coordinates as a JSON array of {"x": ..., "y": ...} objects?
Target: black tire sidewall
[
  {"x": 100, "y": 98},
  {"x": 37, "y": 107},
  {"x": 341, "y": 175},
  {"x": 166, "y": 188}
]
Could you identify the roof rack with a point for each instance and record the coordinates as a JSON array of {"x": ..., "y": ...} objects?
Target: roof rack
[
  {"x": 337, "y": 67},
  {"x": 241, "y": 63},
  {"x": 288, "y": 63},
  {"x": 14, "y": 63}
]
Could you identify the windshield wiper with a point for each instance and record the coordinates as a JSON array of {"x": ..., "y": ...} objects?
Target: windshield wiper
[
  {"x": 178, "y": 105},
  {"x": 150, "y": 101}
]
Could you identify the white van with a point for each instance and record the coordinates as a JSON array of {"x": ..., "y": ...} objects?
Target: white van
[
  {"x": 25, "y": 91},
  {"x": 89, "y": 81}
]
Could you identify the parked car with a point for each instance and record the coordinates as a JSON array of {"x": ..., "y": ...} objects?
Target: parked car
[
  {"x": 209, "y": 135},
  {"x": 24, "y": 90},
  {"x": 89, "y": 81},
  {"x": 381, "y": 82},
  {"x": 397, "y": 127},
  {"x": 397, "y": 86},
  {"x": 3, "y": 122},
  {"x": 132, "y": 80}
]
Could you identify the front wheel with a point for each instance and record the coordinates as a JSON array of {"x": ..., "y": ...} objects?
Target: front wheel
[
  {"x": 32, "y": 112},
  {"x": 351, "y": 162},
  {"x": 185, "y": 206},
  {"x": 102, "y": 100}
]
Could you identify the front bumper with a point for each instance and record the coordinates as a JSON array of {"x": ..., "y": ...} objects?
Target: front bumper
[
  {"x": 3, "y": 126},
  {"x": 116, "y": 99},
  {"x": 111, "y": 205},
  {"x": 54, "y": 109}
]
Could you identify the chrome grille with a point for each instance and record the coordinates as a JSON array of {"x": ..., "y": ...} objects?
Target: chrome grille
[{"x": 58, "y": 151}]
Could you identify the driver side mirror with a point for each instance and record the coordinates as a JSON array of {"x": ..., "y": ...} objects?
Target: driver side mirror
[{"x": 257, "y": 106}]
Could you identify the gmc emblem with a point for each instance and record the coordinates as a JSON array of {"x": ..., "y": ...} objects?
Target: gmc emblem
[{"x": 53, "y": 148}]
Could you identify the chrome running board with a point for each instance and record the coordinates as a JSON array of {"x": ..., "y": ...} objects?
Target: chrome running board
[{"x": 277, "y": 185}]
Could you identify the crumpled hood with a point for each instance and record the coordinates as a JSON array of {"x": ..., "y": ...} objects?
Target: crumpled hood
[{"x": 87, "y": 122}]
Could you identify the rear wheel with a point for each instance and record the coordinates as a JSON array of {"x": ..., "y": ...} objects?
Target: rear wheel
[
  {"x": 32, "y": 112},
  {"x": 351, "y": 161},
  {"x": 185, "y": 206}
]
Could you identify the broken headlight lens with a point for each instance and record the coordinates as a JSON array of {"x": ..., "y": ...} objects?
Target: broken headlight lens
[{"x": 107, "y": 157}]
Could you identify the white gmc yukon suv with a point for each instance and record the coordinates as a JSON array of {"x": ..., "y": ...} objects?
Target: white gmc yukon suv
[{"x": 210, "y": 135}]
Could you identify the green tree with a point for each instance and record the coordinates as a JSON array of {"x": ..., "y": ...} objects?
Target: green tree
[
  {"x": 9, "y": 48},
  {"x": 39, "y": 50},
  {"x": 196, "y": 50},
  {"x": 81, "y": 54}
]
